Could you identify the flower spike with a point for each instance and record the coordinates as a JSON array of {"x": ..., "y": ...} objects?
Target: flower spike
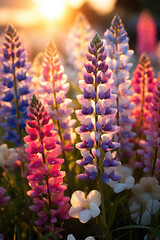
[
  {"x": 16, "y": 86},
  {"x": 45, "y": 177},
  {"x": 118, "y": 54}
]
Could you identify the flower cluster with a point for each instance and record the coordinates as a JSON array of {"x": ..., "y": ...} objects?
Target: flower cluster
[
  {"x": 16, "y": 82},
  {"x": 52, "y": 92},
  {"x": 118, "y": 55},
  {"x": 45, "y": 177},
  {"x": 146, "y": 34},
  {"x": 145, "y": 200},
  {"x": 79, "y": 38},
  {"x": 96, "y": 115},
  {"x": 150, "y": 154},
  {"x": 143, "y": 84},
  {"x": 8, "y": 157},
  {"x": 3, "y": 200}
]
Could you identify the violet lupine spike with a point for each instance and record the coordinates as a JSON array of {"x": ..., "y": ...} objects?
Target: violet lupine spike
[
  {"x": 143, "y": 84},
  {"x": 146, "y": 30},
  {"x": 52, "y": 92},
  {"x": 16, "y": 86},
  {"x": 118, "y": 55},
  {"x": 150, "y": 154},
  {"x": 79, "y": 39},
  {"x": 45, "y": 177},
  {"x": 97, "y": 116}
]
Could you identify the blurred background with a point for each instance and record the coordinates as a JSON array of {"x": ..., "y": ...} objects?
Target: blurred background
[{"x": 37, "y": 21}]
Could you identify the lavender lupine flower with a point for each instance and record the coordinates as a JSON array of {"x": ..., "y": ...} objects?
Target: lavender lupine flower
[
  {"x": 150, "y": 154},
  {"x": 79, "y": 39},
  {"x": 53, "y": 90},
  {"x": 45, "y": 177},
  {"x": 16, "y": 82},
  {"x": 96, "y": 115},
  {"x": 118, "y": 55}
]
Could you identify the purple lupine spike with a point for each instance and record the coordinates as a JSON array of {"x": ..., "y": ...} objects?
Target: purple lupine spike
[
  {"x": 96, "y": 115},
  {"x": 118, "y": 54},
  {"x": 44, "y": 175},
  {"x": 150, "y": 154},
  {"x": 16, "y": 86}
]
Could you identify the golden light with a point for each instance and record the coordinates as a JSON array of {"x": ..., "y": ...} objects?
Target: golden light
[{"x": 50, "y": 9}]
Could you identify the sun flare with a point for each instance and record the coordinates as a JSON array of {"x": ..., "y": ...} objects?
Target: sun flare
[{"x": 50, "y": 9}]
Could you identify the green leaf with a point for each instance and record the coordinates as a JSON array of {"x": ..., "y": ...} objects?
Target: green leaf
[
  {"x": 134, "y": 227},
  {"x": 112, "y": 214},
  {"x": 18, "y": 233}
]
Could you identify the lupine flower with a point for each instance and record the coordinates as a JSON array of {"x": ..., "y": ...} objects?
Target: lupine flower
[
  {"x": 52, "y": 92},
  {"x": 16, "y": 82},
  {"x": 143, "y": 83},
  {"x": 146, "y": 34},
  {"x": 96, "y": 115},
  {"x": 127, "y": 181},
  {"x": 118, "y": 55},
  {"x": 71, "y": 237},
  {"x": 8, "y": 157},
  {"x": 45, "y": 177},
  {"x": 142, "y": 207},
  {"x": 79, "y": 39},
  {"x": 150, "y": 154},
  {"x": 85, "y": 208},
  {"x": 3, "y": 200}
]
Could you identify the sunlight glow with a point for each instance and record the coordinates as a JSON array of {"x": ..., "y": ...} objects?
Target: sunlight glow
[{"x": 50, "y": 9}]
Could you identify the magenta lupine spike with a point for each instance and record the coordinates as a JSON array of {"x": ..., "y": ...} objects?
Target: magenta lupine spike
[
  {"x": 45, "y": 177},
  {"x": 118, "y": 55},
  {"x": 97, "y": 116},
  {"x": 150, "y": 154},
  {"x": 79, "y": 39},
  {"x": 143, "y": 84},
  {"x": 53, "y": 90},
  {"x": 146, "y": 34}
]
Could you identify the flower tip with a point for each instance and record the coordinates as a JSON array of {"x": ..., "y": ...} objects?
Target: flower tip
[{"x": 96, "y": 39}]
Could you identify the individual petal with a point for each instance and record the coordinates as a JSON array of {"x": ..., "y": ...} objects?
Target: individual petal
[
  {"x": 94, "y": 196},
  {"x": 78, "y": 199},
  {"x": 85, "y": 215},
  {"x": 70, "y": 237},
  {"x": 75, "y": 211},
  {"x": 94, "y": 209},
  {"x": 119, "y": 187}
]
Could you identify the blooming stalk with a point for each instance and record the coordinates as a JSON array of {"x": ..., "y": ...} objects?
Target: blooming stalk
[
  {"x": 45, "y": 177},
  {"x": 96, "y": 118},
  {"x": 79, "y": 39},
  {"x": 52, "y": 92},
  {"x": 16, "y": 82},
  {"x": 143, "y": 84},
  {"x": 150, "y": 154},
  {"x": 118, "y": 55},
  {"x": 146, "y": 30}
]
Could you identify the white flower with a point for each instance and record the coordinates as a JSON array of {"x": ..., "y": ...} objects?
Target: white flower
[
  {"x": 85, "y": 208},
  {"x": 71, "y": 237},
  {"x": 8, "y": 157},
  {"x": 127, "y": 181},
  {"x": 148, "y": 185},
  {"x": 142, "y": 207}
]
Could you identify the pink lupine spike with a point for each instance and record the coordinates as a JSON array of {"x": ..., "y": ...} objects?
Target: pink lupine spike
[
  {"x": 52, "y": 92},
  {"x": 146, "y": 34},
  {"x": 44, "y": 175}
]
